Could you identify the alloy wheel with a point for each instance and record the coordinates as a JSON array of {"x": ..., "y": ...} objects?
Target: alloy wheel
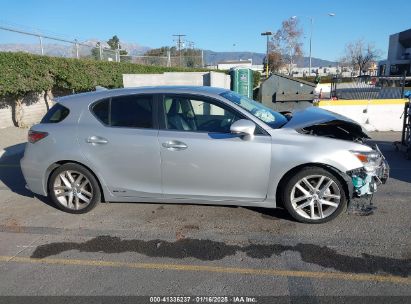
[
  {"x": 315, "y": 197},
  {"x": 73, "y": 189}
]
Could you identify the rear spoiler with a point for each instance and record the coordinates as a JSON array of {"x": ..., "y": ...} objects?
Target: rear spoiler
[{"x": 100, "y": 88}]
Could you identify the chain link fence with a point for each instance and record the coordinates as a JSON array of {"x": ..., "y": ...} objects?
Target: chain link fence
[
  {"x": 166, "y": 61},
  {"x": 40, "y": 44}
]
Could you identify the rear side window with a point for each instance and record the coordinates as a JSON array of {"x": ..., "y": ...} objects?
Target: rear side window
[
  {"x": 56, "y": 114},
  {"x": 126, "y": 111}
]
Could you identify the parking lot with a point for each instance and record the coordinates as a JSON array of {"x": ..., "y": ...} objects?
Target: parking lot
[{"x": 155, "y": 249}]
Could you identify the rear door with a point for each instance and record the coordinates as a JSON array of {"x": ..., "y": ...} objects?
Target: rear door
[{"x": 118, "y": 136}]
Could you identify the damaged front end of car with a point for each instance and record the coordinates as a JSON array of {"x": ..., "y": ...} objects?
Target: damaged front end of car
[
  {"x": 319, "y": 122},
  {"x": 337, "y": 129},
  {"x": 366, "y": 179}
]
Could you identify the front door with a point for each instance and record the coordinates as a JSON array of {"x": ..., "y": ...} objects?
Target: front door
[{"x": 200, "y": 158}]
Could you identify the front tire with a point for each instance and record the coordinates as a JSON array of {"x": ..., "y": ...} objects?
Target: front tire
[
  {"x": 314, "y": 195},
  {"x": 74, "y": 189}
]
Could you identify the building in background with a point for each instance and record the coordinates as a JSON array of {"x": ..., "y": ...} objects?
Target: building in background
[
  {"x": 398, "y": 60},
  {"x": 230, "y": 64},
  {"x": 226, "y": 65},
  {"x": 372, "y": 69}
]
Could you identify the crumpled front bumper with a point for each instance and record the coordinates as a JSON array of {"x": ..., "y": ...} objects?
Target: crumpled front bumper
[
  {"x": 383, "y": 171},
  {"x": 366, "y": 182}
]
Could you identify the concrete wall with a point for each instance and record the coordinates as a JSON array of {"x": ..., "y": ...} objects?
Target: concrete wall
[
  {"x": 213, "y": 79},
  {"x": 34, "y": 107},
  {"x": 220, "y": 80},
  {"x": 373, "y": 115},
  {"x": 324, "y": 88}
]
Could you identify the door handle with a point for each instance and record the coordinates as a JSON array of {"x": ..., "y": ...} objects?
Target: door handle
[
  {"x": 96, "y": 140},
  {"x": 174, "y": 145}
]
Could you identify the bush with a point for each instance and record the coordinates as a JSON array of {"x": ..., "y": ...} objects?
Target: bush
[
  {"x": 256, "y": 79},
  {"x": 22, "y": 73}
]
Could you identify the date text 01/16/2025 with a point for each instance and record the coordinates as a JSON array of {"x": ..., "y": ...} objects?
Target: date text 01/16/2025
[{"x": 202, "y": 299}]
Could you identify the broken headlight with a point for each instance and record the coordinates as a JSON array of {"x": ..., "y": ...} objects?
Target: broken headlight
[{"x": 371, "y": 160}]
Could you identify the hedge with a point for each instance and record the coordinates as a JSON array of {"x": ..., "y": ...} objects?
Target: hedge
[{"x": 22, "y": 73}]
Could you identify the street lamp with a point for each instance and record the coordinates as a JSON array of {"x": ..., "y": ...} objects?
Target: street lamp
[
  {"x": 267, "y": 34},
  {"x": 311, "y": 34}
]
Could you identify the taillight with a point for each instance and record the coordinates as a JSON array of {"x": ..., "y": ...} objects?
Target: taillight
[{"x": 35, "y": 136}]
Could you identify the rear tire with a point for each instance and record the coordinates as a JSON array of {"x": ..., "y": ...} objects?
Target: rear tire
[
  {"x": 314, "y": 195},
  {"x": 74, "y": 189}
]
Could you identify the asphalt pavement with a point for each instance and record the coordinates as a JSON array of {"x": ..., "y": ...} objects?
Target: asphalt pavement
[{"x": 159, "y": 249}]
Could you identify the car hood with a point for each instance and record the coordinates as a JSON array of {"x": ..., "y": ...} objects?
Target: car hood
[{"x": 320, "y": 122}]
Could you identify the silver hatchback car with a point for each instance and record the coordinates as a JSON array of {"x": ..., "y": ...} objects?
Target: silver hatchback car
[{"x": 198, "y": 145}]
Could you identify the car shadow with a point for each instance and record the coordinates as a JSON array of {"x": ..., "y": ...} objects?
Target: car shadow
[
  {"x": 400, "y": 167},
  {"x": 11, "y": 176}
]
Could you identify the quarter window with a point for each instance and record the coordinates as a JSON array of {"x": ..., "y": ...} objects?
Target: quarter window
[
  {"x": 101, "y": 110},
  {"x": 56, "y": 114},
  {"x": 126, "y": 111}
]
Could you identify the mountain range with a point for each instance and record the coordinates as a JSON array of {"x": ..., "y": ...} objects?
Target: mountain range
[
  {"x": 211, "y": 57},
  {"x": 134, "y": 49}
]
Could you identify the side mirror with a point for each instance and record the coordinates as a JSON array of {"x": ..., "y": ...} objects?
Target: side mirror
[{"x": 243, "y": 127}]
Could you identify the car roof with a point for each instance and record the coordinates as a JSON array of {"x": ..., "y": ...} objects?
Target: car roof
[{"x": 101, "y": 94}]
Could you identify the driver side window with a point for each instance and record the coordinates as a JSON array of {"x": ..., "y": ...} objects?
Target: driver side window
[{"x": 197, "y": 115}]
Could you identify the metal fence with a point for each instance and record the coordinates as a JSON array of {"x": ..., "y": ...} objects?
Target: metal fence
[
  {"x": 48, "y": 45},
  {"x": 369, "y": 87},
  {"x": 166, "y": 61}
]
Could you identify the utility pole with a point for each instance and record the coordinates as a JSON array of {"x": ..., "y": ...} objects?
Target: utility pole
[
  {"x": 168, "y": 58},
  {"x": 267, "y": 34},
  {"x": 311, "y": 35},
  {"x": 100, "y": 48},
  {"x": 311, "y": 38},
  {"x": 41, "y": 45},
  {"x": 191, "y": 44},
  {"x": 179, "y": 44},
  {"x": 77, "y": 54}
]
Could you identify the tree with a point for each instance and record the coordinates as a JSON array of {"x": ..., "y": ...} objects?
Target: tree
[
  {"x": 114, "y": 44},
  {"x": 190, "y": 57},
  {"x": 360, "y": 55},
  {"x": 275, "y": 61},
  {"x": 162, "y": 51},
  {"x": 95, "y": 52},
  {"x": 286, "y": 44}
]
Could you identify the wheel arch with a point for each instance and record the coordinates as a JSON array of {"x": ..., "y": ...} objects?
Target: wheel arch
[
  {"x": 59, "y": 163},
  {"x": 342, "y": 177}
]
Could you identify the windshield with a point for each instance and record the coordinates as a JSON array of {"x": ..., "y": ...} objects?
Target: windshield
[{"x": 272, "y": 118}]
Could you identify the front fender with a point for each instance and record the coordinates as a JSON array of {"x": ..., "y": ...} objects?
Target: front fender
[{"x": 291, "y": 150}]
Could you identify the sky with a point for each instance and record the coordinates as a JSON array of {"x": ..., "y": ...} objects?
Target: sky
[{"x": 218, "y": 25}]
